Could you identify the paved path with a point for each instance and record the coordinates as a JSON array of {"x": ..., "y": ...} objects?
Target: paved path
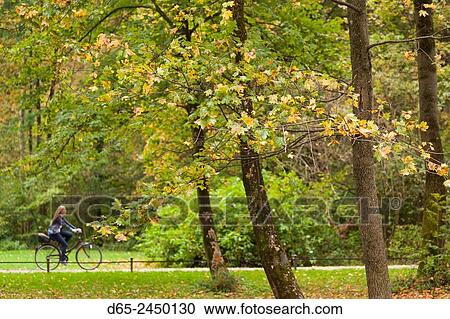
[{"x": 61, "y": 269}]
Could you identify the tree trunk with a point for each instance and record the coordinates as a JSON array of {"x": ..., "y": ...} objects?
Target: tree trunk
[
  {"x": 39, "y": 116},
  {"x": 213, "y": 253},
  {"x": 274, "y": 259},
  {"x": 434, "y": 184},
  {"x": 22, "y": 133},
  {"x": 216, "y": 263},
  {"x": 374, "y": 250},
  {"x": 30, "y": 138}
]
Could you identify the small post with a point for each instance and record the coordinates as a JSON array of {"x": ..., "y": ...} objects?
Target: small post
[
  {"x": 131, "y": 264},
  {"x": 294, "y": 261},
  {"x": 48, "y": 264}
]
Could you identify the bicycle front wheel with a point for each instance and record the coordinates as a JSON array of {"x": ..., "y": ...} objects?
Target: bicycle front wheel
[
  {"x": 89, "y": 256},
  {"x": 47, "y": 252}
]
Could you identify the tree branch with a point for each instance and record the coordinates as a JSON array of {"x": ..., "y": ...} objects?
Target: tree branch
[
  {"x": 162, "y": 14},
  {"x": 431, "y": 36},
  {"x": 110, "y": 14},
  {"x": 349, "y": 5}
]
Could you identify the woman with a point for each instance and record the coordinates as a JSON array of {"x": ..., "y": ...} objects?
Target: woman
[{"x": 56, "y": 233}]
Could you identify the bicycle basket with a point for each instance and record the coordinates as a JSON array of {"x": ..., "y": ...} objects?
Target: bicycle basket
[{"x": 43, "y": 238}]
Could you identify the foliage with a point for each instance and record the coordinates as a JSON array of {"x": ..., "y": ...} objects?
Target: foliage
[{"x": 99, "y": 97}]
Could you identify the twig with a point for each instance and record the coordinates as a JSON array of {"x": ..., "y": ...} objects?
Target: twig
[
  {"x": 349, "y": 5},
  {"x": 110, "y": 14},
  {"x": 431, "y": 36},
  {"x": 162, "y": 14}
]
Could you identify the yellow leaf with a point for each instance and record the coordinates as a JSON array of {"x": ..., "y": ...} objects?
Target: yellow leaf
[
  {"x": 248, "y": 56},
  {"x": 105, "y": 231},
  {"x": 442, "y": 170},
  {"x": 423, "y": 13},
  {"x": 293, "y": 118},
  {"x": 384, "y": 151},
  {"x": 121, "y": 237},
  {"x": 431, "y": 6},
  {"x": 226, "y": 15},
  {"x": 147, "y": 88},
  {"x": 80, "y": 13},
  {"x": 407, "y": 160},
  {"x": 423, "y": 126},
  {"x": 249, "y": 121}
]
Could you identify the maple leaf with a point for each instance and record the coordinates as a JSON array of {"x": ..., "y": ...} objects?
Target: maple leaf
[
  {"x": 248, "y": 120},
  {"x": 442, "y": 170},
  {"x": 226, "y": 15},
  {"x": 80, "y": 13},
  {"x": 431, "y": 6},
  {"x": 423, "y": 126},
  {"x": 385, "y": 151},
  {"x": 121, "y": 237},
  {"x": 248, "y": 56}
]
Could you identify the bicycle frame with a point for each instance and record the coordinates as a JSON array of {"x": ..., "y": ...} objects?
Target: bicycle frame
[{"x": 75, "y": 246}]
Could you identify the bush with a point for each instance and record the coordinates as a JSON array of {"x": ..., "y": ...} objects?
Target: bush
[
  {"x": 12, "y": 245},
  {"x": 170, "y": 240},
  {"x": 303, "y": 225},
  {"x": 304, "y": 232},
  {"x": 406, "y": 243}
]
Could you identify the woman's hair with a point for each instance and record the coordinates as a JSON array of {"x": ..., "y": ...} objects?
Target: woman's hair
[{"x": 58, "y": 212}]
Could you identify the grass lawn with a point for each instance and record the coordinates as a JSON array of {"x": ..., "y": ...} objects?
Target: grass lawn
[
  {"x": 343, "y": 283},
  {"x": 108, "y": 255}
]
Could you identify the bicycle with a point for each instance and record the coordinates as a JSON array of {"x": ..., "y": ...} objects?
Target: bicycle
[{"x": 48, "y": 255}]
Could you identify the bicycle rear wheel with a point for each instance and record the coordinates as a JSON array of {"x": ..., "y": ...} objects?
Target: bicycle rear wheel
[
  {"x": 89, "y": 256},
  {"x": 50, "y": 252}
]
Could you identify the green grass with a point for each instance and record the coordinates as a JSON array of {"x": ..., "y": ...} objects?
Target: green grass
[
  {"x": 108, "y": 255},
  {"x": 343, "y": 283}
]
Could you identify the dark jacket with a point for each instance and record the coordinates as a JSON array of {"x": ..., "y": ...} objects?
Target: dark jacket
[{"x": 57, "y": 224}]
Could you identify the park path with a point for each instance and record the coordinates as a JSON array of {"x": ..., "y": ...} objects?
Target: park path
[{"x": 61, "y": 269}]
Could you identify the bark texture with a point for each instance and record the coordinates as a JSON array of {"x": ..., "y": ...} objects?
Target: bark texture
[
  {"x": 274, "y": 259},
  {"x": 434, "y": 184},
  {"x": 374, "y": 250}
]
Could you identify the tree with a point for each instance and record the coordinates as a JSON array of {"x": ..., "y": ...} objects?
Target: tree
[
  {"x": 274, "y": 258},
  {"x": 374, "y": 251},
  {"x": 429, "y": 113}
]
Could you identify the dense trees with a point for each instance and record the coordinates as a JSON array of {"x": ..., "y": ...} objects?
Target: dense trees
[{"x": 174, "y": 98}]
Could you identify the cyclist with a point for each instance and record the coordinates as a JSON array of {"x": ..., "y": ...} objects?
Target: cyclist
[{"x": 56, "y": 233}]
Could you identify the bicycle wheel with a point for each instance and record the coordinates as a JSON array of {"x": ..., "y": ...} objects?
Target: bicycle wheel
[
  {"x": 88, "y": 256},
  {"x": 44, "y": 252}
]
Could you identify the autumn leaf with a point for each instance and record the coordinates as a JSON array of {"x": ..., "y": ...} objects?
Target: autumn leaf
[
  {"x": 423, "y": 126},
  {"x": 385, "y": 151},
  {"x": 80, "y": 13},
  {"x": 226, "y": 16},
  {"x": 248, "y": 56},
  {"x": 431, "y": 6},
  {"x": 248, "y": 120},
  {"x": 442, "y": 170},
  {"x": 120, "y": 237}
]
